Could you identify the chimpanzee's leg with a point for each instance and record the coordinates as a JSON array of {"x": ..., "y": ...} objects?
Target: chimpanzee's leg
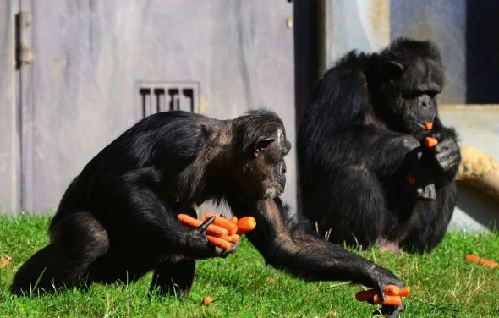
[
  {"x": 430, "y": 221},
  {"x": 174, "y": 276},
  {"x": 355, "y": 210},
  {"x": 76, "y": 241}
]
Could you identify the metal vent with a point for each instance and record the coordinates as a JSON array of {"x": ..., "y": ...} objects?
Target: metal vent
[{"x": 163, "y": 97}]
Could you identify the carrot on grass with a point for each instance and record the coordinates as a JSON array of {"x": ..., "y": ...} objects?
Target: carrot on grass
[
  {"x": 481, "y": 261},
  {"x": 246, "y": 224},
  {"x": 212, "y": 229}
]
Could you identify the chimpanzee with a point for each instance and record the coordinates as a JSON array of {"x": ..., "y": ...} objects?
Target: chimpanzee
[
  {"x": 118, "y": 218},
  {"x": 365, "y": 175}
]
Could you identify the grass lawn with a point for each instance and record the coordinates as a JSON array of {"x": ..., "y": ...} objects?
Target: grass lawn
[{"x": 442, "y": 285}]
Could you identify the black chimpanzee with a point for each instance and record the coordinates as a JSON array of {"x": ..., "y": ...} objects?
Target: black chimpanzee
[
  {"x": 118, "y": 218},
  {"x": 362, "y": 137}
]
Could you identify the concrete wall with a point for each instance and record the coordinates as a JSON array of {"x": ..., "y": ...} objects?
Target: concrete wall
[
  {"x": 81, "y": 90},
  {"x": 9, "y": 121},
  {"x": 477, "y": 125}
]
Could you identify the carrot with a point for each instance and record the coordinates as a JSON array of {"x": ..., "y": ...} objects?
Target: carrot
[
  {"x": 391, "y": 290},
  {"x": 393, "y": 295},
  {"x": 234, "y": 220},
  {"x": 404, "y": 292},
  {"x": 191, "y": 222},
  {"x": 428, "y": 125},
  {"x": 222, "y": 222},
  {"x": 482, "y": 261},
  {"x": 410, "y": 178},
  {"x": 219, "y": 242},
  {"x": 234, "y": 238},
  {"x": 246, "y": 224},
  {"x": 430, "y": 142},
  {"x": 389, "y": 300},
  {"x": 365, "y": 295}
]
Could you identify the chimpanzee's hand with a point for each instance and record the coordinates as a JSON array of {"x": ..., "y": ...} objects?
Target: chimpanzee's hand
[
  {"x": 224, "y": 253},
  {"x": 380, "y": 277},
  {"x": 447, "y": 154},
  {"x": 213, "y": 250},
  {"x": 389, "y": 311}
]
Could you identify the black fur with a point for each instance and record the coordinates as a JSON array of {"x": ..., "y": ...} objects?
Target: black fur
[
  {"x": 118, "y": 218},
  {"x": 363, "y": 135}
]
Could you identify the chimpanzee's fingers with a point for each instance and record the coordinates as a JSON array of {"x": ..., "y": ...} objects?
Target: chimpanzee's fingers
[
  {"x": 447, "y": 159},
  {"x": 233, "y": 249},
  {"x": 390, "y": 311},
  {"x": 202, "y": 228}
]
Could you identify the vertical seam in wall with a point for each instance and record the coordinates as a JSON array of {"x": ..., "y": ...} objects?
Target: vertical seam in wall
[{"x": 19, "y": 159}]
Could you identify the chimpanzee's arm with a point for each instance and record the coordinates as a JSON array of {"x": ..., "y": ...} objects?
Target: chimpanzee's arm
[
  {"x": 287, "y": 245},
  {"x": 135, "y": 208},
  {"x": 380, "y": 150}
]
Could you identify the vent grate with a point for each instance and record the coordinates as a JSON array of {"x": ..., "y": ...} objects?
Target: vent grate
[{"x": 167, "y": 96}]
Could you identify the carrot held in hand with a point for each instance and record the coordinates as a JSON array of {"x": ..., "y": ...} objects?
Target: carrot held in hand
[
  {"x": 246, "y": 224},
  {"x": 219, "y": 242},
  {"x": 430, "y": 142},
  {"x": 393, "y": 295},
  {"x": 234, "y": 238},
  {"x": 222, "y": 222},
  {"x": 212, "y": 229},
  {"x": 389, "y": 300}
]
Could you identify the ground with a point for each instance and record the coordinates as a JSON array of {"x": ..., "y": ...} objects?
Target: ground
[{"x": 442, "y": 284}]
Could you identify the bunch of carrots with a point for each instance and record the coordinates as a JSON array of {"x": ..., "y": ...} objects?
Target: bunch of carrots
[
  {"x": 393, "y": 295},
  {"x": 222, "y": 232}
]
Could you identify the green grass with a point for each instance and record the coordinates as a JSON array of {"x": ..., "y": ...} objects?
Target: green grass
[{"x": 442, "y": 285}]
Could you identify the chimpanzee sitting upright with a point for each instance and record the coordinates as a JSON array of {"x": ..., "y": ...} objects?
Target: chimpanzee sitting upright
[
  {"x": 118, "y": 218},
  {"x": 364, "y": 173}
]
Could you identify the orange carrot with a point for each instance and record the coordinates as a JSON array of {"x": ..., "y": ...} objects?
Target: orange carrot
[
  {"x": 191, "y": 222},
  {"x": 393, "y": 295},
  {"x": 365, "y": 295},
  {"x": 389, "y": 300},
  {"x": 410, "y": 178},
  {"x": 219, "y": 242},
  {"x": 234, "y": 238},
  {"x": 428, "y": 125},
  {"x": 246, "y": 224},
  {"x": 234, "y": 220},
  {"x": 391, "y": 290},
  {"x": 430, "y": 142},
  {"x": 222, "y": 222},
  {"x": 404, "y": 292},
  {"x": 482, "y": 261}
]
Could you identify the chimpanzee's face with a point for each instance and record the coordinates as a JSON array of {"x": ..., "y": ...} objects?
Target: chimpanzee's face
[
  {"x": 264, "y": 173},
  {"x": 412, "y": 97}
]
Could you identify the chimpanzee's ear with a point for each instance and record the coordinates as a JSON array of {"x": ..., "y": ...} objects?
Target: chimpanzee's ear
[
  {"x": 262, "y": 144},
  {"x": 393, "y": 69}
]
